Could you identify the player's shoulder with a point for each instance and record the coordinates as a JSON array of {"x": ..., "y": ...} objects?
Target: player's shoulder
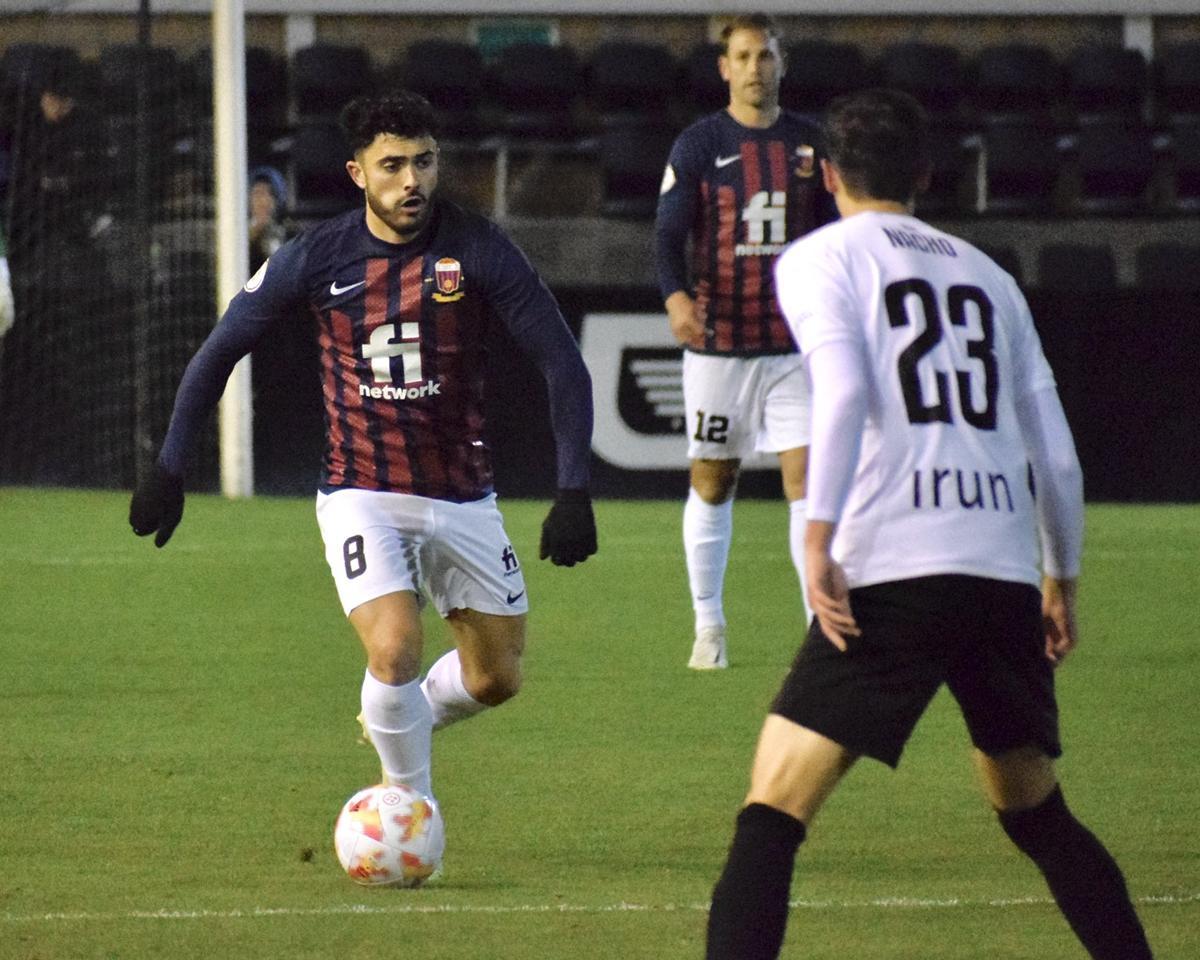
[
  {"x": 469, "y": 228},
  {"x": 702, "y": 136},
  {"x": 801, "y": 125}
]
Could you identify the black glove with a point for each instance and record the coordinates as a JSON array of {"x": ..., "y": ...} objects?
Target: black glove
[
  {"x": 157, "y": 505},
  {"x": 569, "y": 530}
]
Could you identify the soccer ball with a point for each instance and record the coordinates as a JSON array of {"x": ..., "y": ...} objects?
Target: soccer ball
[{"x": 389, "y": 836}]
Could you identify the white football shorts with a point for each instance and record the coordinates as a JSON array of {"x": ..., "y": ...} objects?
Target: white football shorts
[
  {"x": 456, "y": 553},
  {"x": 738, "y": 405}
]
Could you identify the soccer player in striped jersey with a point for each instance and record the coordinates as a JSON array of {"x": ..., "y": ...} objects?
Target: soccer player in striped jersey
[
  {"x": 739, "y": 184},
  {"x": 403, "y": 292},
  {"x": 925, "y": 546}
]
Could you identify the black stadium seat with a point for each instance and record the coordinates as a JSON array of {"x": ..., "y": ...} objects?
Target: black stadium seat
[
  {"x": 931, "y": 72},
  {"x": 818, "y": 71},
  {"x": 537, "y": 88},
  {"x": 1106, "y": 81},
  {"x": 320, "y": 185},
  {"x": 631, "y": 79},
  {"x": 324, "y": 76},
  {"x": 1076, "y": 268},
  {"x": 450, "y": 74},
  {"x": 1015, "y": 80},
  {"x": 703, "y": 89},
  {"x": 1177, "y": 80},
  {"x": 1021, "y": 165},
  {"x": 633, "y": 156},
  {"x": 1168, "y": 267},
  {"x": 1116, "y": 164}
]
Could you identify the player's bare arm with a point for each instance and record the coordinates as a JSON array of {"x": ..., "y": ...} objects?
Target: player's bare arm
[
  {"x": 1058, "y": 615},
  {"x": 828, "y": 592}
]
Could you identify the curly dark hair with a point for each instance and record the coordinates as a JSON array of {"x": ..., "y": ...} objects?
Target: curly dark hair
[
  {"x": 878, "y": 140},
  {"x": 401, "y": 113}
]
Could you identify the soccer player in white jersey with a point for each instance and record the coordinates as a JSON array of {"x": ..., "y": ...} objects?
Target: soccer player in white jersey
[{"x": 925, "y": 546}]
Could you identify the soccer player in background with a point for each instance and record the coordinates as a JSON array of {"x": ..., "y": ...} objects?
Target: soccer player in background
[
  {"x": 739, "y": 184},
  {"x": 931, "y": 399},
  {"x": 403, "y": 292}
]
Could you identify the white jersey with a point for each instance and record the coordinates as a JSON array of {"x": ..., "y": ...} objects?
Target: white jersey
[{"x": 948, "y": 348}]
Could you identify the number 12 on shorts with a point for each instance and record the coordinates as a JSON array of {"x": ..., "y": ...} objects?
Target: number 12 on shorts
[{"x": 711, "y": 428}]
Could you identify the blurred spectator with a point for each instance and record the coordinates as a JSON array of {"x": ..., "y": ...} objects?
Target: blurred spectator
[
  {"x": 6, "y": 297},
  {"x": 65, "y": 336},
  {"x": 268, "y": 207}
]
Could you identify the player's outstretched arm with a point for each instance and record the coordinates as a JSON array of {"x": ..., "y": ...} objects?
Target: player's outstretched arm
[
  {"x": 157, "y": 505},
  {"x": 569, "y": 530}
]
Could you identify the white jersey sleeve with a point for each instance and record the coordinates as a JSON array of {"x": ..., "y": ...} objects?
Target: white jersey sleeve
[{"x": 946, "y": 351}]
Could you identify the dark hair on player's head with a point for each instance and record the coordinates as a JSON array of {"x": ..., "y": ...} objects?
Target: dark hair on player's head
[
  {"x": 763, "y": 22},
  {"x": 401, "y": 113},
  {"x": 878, "y": 140}
]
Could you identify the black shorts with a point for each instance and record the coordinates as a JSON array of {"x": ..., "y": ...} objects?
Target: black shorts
[{"x": 981, "y": 637}]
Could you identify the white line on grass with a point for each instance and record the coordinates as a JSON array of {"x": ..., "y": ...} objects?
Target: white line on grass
[{"x": 886, "y": 903}]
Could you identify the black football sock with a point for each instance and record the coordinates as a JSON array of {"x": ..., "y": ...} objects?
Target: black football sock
[
  {"x": 750, "y": 901},
  {"x": 1083, "y": 877}
]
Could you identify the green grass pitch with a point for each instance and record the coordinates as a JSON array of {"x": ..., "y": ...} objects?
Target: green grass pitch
[{"x": 177, "y": 734}]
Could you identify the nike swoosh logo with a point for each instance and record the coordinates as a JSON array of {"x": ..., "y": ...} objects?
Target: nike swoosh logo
[
  {"x": 335, "y": 290},
  {"x": 512, "y": 599},
  {"x": 726, "y": 161}
]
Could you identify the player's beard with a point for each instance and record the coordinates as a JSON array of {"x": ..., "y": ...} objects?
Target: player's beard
[{"x": 404, "y": 224}]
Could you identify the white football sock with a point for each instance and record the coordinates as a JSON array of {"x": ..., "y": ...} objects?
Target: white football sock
[
  {"x": 447, "y": 694},
  {"x": 400, "y": 724},
  {"x": 796, "y": 522},
  {"x": 707, "y": 532}
]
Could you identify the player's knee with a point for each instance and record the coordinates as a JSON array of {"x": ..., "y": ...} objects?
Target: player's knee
[
  {"x": 394, "y": 666},
  {"x": 714, "y": 487},
  {"x": 493, "y": 687},
  {"x": 1036, "y": 829}
]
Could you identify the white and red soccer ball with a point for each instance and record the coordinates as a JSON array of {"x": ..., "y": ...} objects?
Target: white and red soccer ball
[{"x": 389, "y": 836}]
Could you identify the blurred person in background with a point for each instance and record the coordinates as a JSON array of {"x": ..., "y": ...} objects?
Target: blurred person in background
[{"x": 739, "y": 184}]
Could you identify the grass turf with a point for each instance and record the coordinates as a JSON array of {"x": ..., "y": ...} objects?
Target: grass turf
[{"x": 178, "y": 736}]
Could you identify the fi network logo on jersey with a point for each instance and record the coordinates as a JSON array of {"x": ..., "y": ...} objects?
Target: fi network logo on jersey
[
  {"x": 400, "y": 341},
  {"x": 637, "y": 392}
]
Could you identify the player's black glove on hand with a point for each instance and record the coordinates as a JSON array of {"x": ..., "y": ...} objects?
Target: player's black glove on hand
[
  {"x": 569, "y": 530},
  {"x": 157, "y": 505}
]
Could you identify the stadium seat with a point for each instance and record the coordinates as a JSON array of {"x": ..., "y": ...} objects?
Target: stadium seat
[
  {"x": 1185, "y": 166},
  {"x": 1115, "y": 161},
  {"x": 319, "y": 183},
  {"x": 120, "y": 66},
  {"x": 951, "y": 187},
  {"x": 628, "y": 79},
  {"x": 818, "y": 71},
  {"x": 1015, "y": 80},
  {"x": 266, "y": 97},
  {"x": 632, "y": 158},
  {"x": 703, "y": 89},
  {"x": 324, "y": 76},
  {"x": 450, "y": 75},
  {"x": 537, "y": 88},
  {"x": 1076, "y": 268},
  {"x": 1020, "y": 163},
  {"x": 931, "y": 72},
  {"x": 1177, "y": 81},
  {"x": 1105, "y": 81},
  {"x": 1168, "y": 267},
  {"x": 1008, "y": 258}
]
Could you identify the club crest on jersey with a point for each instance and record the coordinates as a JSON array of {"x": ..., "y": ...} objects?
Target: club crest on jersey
[
  {"x": 806, "y": 161},
  {"x": 448, "y": 279}
]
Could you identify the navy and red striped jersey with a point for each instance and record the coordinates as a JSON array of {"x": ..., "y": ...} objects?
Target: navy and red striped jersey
[
  {"x": 740, "y": 194},
  {"x": 402, "y": 331}
]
